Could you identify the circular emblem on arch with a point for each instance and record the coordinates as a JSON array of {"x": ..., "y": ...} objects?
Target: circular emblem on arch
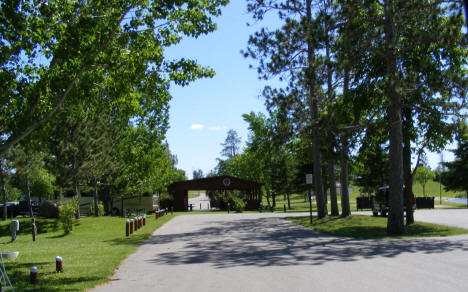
[{"x": 226, "y": 181}]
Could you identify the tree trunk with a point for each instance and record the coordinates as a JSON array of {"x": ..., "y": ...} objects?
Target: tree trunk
[
  {"x": 325, "y": 194},
  {"x": 268, "y": 199},
  {"x": 289, "y": 200},
  {"x": 5, "y": 208},
  {"x": 345, "y": 208},
  {"x": 333, "y": 199},
  {"x": 96, "y": 207},
  {"x": 76, "y": 192},
  {"x": 28, "y": 196},
  {"x": 395, "y": 223},
  {"x": 408, "y": 176},
  {"x": 273, "y": 198},
  {"x": 318, "y": 183}
]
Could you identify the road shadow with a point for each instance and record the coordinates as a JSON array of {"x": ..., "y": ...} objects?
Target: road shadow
[{"x": 277, "y": 242}]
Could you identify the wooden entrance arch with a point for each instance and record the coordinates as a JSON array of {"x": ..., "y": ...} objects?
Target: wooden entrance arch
[{"x": 224, "y": 182}]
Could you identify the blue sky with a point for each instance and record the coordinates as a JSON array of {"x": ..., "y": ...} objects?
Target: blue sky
[{"x": 203, "y": 112}]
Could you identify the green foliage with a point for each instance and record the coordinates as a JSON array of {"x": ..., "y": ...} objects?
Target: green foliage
[
  {"x": 120, "y": 62},
  {"x": 12, "y": 193},
  {"x": 221, "y": 200},
  {"x": 231, "y": 144},
  {"x": 29, "y": 163},
  {"x": 43, "y": 183},
  {"x": 372, "y": 162},
  {"x": 198, "y": 174},
  {"x": 455, "y": 177},
  {"x": 165, "y": 200},
  {"x": 67, "y": 213},
  {"x": 237, "y": 204},
  {"x": 101, "y": 211},
  {"x": 423, "y": 175}
]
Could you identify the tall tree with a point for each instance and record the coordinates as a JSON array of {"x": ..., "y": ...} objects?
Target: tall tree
[
  {"x": 231, "y": 144},
  {"x": 198, "y": 174},
  {"x": 30, "y": 174},
  {"x": 292, "y": 54},
  {"x": 391, "y": 44}
]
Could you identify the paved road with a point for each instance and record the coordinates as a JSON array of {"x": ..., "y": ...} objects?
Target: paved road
[
  {"x": 451, "y": 217},
  {"x": 263, "y": 252},
  {"x": 202, "y": 202}
]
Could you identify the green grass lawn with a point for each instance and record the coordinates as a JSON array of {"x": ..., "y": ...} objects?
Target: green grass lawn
[
  {"x": 433, "y": 190},
  {"x": 298, "y": 204},
  {"x": 91, "y": 252},
  {"x": 368, "y": 227},
  {"x": 193, "y": 194}
]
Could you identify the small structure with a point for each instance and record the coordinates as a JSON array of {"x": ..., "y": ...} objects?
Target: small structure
[{"x": 216, "y": 183}]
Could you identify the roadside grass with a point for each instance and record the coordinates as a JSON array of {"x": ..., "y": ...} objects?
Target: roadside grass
[
  {"x": 91, "y": 252},
  {"x": 368, "y": 227}
]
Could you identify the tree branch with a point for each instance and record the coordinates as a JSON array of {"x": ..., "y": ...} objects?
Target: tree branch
[{"x": 12, "y": 140}]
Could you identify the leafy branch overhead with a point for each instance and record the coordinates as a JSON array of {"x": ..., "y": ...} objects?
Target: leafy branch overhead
[{"x": 115, "y": 47}]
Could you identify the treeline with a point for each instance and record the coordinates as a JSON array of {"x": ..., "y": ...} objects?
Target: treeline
[
  {"x": 367, "y": 88},
  {"x": 85, "y": 92}
]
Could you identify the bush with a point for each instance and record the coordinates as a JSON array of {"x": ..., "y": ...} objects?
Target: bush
[
  {"x": 67, "y": 214},
  {"x": 238, "y": 204},
  {"x": 101, "y": 210},
  {"x": 166, "y": 200},
  {"x": 220, "y": 200}
]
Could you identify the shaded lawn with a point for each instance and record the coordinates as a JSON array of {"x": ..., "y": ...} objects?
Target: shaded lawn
[
  {"x": 91, "y": 252},
  {"x": 367, "y": 227}
]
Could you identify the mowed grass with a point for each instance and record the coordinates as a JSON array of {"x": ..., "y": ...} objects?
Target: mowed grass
[
  {"x": 298, "y": 203},
  {"x": 368, "y": 227},
  {"x": 194, "y": 194},
  {"x": 433, "y": 190},
  {"x": 91, "y": 252}
]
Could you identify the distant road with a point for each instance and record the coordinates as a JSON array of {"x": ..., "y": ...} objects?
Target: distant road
[{"x": 201, "y": 201}]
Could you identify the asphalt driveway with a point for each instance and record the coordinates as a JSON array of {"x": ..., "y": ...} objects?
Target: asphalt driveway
[{"x": 263, "y": 252}]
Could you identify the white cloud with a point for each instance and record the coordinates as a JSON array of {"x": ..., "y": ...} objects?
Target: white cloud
[
  {"x": 217, "y": 128},
  {"x": 197, "y": 127}
]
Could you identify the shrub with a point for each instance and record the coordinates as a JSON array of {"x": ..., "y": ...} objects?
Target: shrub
[
  {"x": 67, "y": 214},
  {"x": 101, "y": 210},
  {"x": 238, "y": 204},
  {"x": 166, "y": 200}
]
